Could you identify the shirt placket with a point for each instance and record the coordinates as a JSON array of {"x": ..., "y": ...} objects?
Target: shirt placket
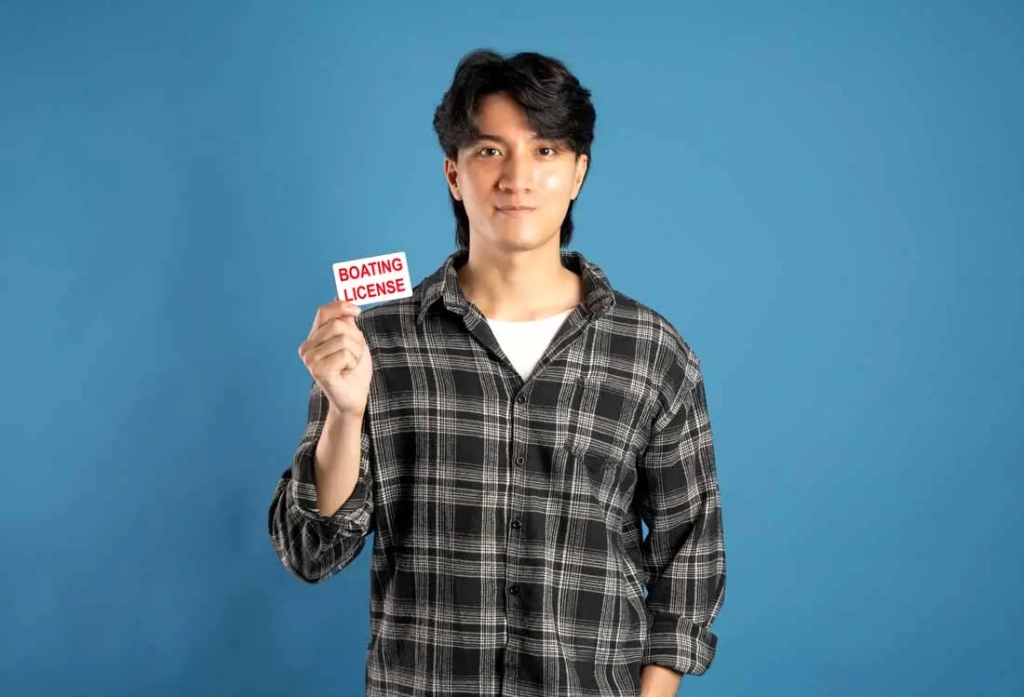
[
  {"x": 516, "y": 594},
  {"x": 515, "y": 436},
  {"x": 514, "y": 591},
  {"x": 518, "y": 438}
]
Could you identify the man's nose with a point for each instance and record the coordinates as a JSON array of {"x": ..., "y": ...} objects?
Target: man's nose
[{"x": 517, "y": 172}]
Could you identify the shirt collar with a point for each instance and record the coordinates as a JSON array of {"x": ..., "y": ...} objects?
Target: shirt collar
[{"x": 443, "y": 285}]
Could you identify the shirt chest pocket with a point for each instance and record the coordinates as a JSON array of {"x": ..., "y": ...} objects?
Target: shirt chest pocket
[{"x": 608, "y": 425}]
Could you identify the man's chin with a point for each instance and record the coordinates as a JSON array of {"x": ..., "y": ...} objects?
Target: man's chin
[
  {"x": 515, "y": 239},
  {"x": 526, "y": 239},
  {"x": 525, "y": 244}
]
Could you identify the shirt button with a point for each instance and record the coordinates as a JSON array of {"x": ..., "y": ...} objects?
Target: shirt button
[
  {"x": 513, "y": 590},
  {"x": 520, "y": 460},
  {"x": 516, "y": 525},
  {"x": 521, "y": 399}
]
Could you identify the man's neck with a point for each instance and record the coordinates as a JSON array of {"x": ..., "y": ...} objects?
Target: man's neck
[{"x": 520, "y": 287}]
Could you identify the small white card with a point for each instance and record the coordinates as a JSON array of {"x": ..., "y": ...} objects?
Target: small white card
[{"x": 373, "y": 279}]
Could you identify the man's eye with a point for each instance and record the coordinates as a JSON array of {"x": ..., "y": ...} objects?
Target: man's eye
[
  {"x": 488, "y": 152},
  {"x": 547, "y": 152}
]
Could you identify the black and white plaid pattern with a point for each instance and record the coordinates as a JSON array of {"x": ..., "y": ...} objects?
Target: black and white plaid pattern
[{"x": 508, "y": 556}]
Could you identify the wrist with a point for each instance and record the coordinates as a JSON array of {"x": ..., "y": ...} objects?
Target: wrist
[
  {"x": 659, "y": 681},
  {"x": 339, "y": 420}
]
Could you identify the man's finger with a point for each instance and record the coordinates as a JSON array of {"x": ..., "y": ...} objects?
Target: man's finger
[
  {"x": 336, "y": 309},
  {"x": 338, "y": 363},
  {"x": 332, "y": 346},
  {"x": 332, "y": 328}
]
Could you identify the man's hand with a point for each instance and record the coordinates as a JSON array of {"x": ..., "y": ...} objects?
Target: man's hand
[
  {"x": 336, "y": 355},
  {"x": 658, "y": 681}
]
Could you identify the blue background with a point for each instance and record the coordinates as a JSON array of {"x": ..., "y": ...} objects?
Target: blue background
[{"x": 827, "y": 202}]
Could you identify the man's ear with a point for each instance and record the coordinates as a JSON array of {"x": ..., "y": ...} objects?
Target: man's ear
[
  {"x": 451, "y": 175},
  {"x": 582, "y": 164}
]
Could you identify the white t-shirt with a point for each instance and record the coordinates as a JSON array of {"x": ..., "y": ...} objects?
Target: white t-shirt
[{"x": 525, "y": 342}]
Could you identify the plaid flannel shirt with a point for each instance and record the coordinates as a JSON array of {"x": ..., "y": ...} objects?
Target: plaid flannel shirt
[{"x": 507, "y": 516}]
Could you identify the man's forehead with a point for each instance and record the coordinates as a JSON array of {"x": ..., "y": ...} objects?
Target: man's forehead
[
  {"x": 503, "y": 136},
  {"x": 506, "y": 132}
]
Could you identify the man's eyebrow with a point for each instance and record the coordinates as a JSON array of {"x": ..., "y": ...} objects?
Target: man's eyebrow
[{"x": 499, "y": 139}]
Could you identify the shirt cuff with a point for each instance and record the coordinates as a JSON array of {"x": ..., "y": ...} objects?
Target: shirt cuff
[
  {"x": 353, "y": 518},
  {"x": 679, "y": 644}
]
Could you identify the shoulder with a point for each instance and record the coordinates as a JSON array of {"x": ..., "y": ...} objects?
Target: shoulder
[
  {"x": 393, "y": 323},
  {"x": 659, "y": 348},
  {"x": 671, "y": 355},
  {"x": 386, "y": 323}
]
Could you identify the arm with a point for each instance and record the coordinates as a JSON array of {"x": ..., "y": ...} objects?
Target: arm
[
  {"x": 331, "y": 468},
  {"x": 658, "y": 681},
  {"x": 684, "y": 552}
]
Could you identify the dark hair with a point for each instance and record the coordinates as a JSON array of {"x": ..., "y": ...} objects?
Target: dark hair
[{"x": 557, "y": 106}]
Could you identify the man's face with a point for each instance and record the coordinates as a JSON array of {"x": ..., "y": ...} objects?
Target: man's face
[{"x": 515, "y": 186}]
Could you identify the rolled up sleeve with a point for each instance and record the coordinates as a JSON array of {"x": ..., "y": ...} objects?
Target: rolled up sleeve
[
  {"x": 312, "y": 546},
  {"x": 684, "y": 550}
]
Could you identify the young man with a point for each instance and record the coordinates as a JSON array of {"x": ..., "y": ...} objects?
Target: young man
[{"x": 506, "y": 431}]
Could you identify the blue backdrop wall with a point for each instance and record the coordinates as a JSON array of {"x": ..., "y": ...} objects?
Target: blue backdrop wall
[{"x": 827, "y": 202}]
